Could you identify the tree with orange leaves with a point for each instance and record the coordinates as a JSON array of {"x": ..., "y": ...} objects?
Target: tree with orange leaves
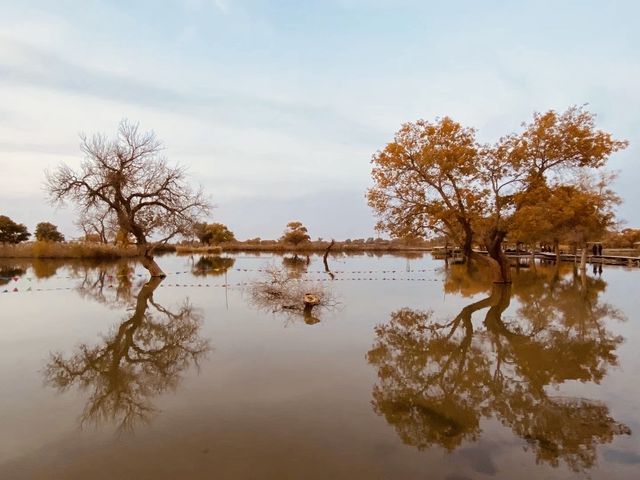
[
  {"x": 428, "y": 180},
  {"x": 434, "y": 177}
]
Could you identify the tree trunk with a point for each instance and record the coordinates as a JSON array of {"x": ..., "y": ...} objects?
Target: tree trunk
[
  {"x": 147, "y": 261},
  {"x": 326, "y": 254},
  {"x": 467, "y": 247},
  {"x": 556, "y": 248},
  {"x": 446, "y": 252},
  {"x": 532, "y": 258},
  {"x": 583, "y": 257},
  {"x": 500, "y": 265}
]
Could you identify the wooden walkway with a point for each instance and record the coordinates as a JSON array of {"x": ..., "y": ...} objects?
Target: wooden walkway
[
  {"x": 626, "y": 261},
  {"x": 603, "y": 259}
]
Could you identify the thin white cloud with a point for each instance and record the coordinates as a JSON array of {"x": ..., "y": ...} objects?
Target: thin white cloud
[{"x": 222, "y": 5}]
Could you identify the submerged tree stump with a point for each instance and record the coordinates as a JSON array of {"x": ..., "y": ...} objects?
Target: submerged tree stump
[{"x": 310, "y": 300}]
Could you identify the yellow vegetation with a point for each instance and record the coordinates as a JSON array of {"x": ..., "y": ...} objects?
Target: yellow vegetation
[{"x": 65, "y": 250}]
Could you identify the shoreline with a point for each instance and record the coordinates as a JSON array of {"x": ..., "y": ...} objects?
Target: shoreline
[{"x": 80, "y": 250}]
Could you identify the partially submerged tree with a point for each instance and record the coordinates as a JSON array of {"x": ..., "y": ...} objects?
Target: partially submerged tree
[
  {"x": 48, "y": 232},
  {"x": 575, "y": 214},
  {"x": 434, "y": 178},
  {"x": 428, "y": 181},
  {"x": 128, "y": 176},
  {"x": 554, "y": 150},
  {"x": 295, "y": 233},
  {"x": 12, "y": 232}
]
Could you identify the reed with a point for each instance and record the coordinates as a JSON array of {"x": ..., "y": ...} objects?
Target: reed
[
  {"x": 321, "y": 246},
  {"x": 189, "y": 249},
  {"x": 65, "y": 250}
]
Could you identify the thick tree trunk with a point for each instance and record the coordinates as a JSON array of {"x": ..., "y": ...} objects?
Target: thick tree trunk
[
  {"x": 501, "y": 267},
  {"x": 467, "y": 247},
  {"x": 150, "y": 264},
  {"x": 147, "y": 261}
]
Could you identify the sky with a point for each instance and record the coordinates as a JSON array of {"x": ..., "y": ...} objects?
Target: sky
[{"x": 276, "y": 107}]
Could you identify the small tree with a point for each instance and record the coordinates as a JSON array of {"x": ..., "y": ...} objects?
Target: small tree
[
  {"x": 295, "y": 233},
  {"x": 220, "y": 233},
  {"x": 213, "y": 233},
  {"x": 48, "y": 232},
  {"x": 201, "y": 232},
  {"x": 128, "y": 176},
  {"x": 12, "y": 232}
]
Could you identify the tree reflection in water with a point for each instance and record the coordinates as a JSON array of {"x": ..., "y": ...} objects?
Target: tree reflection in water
[
  {"x": 438, "y": 380},
  {"x": 212, "y": 265},
  {"x": 143, "y": 357},
  {"x": 9, "y": 273}
]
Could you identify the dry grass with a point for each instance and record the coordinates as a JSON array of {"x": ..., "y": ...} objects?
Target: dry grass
[
  {"x": 321, "y": 246},
  {"x": 283, "y": 291},
  {"x": 189, "y": 249},
  {"x": 65, "y": 250}
]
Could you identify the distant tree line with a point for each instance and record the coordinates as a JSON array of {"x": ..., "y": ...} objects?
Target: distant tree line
[{"x": 14, "y": 233}]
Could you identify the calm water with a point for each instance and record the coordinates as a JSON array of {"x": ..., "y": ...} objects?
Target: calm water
[{"x": 413, "y": 372}]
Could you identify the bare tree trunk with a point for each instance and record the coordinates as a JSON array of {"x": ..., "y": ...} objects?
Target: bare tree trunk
[
  {"x": 446, "y": 252},
  {"x": 150, "y": 264},
  {"x": 147, "y": 261},
  {"x": 583, "y": 257},
  {"x": 326, "y": 254}
]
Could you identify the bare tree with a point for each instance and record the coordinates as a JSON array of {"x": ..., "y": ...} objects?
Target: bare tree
[
  {"x": 128, "y": 176},
  {"x": 99, "y": 221}
]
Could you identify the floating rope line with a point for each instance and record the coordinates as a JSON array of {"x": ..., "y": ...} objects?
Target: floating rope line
[
  {"x": 222, "y": 270},
  {"x": 231, "y": 284}
]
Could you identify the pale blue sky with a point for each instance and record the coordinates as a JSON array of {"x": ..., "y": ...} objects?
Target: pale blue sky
[{"x": 276, "y": 107}]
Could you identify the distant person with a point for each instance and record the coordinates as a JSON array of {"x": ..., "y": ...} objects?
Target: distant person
[
  {"x": 599, "y": 249},
  {"x": 594, "y": 249}
]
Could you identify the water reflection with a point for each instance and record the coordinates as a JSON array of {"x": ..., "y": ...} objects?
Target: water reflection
[
  {"x": 438, "y": 379},
  {"x": 296, "y": 266},
  {"x": 10, "y": 273},
  {"x": 142, "y": 357},
  {"x": 288, "y": 292},
  {"x": 212, "y": 265},
  {"x": 110, "y": 284}
]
